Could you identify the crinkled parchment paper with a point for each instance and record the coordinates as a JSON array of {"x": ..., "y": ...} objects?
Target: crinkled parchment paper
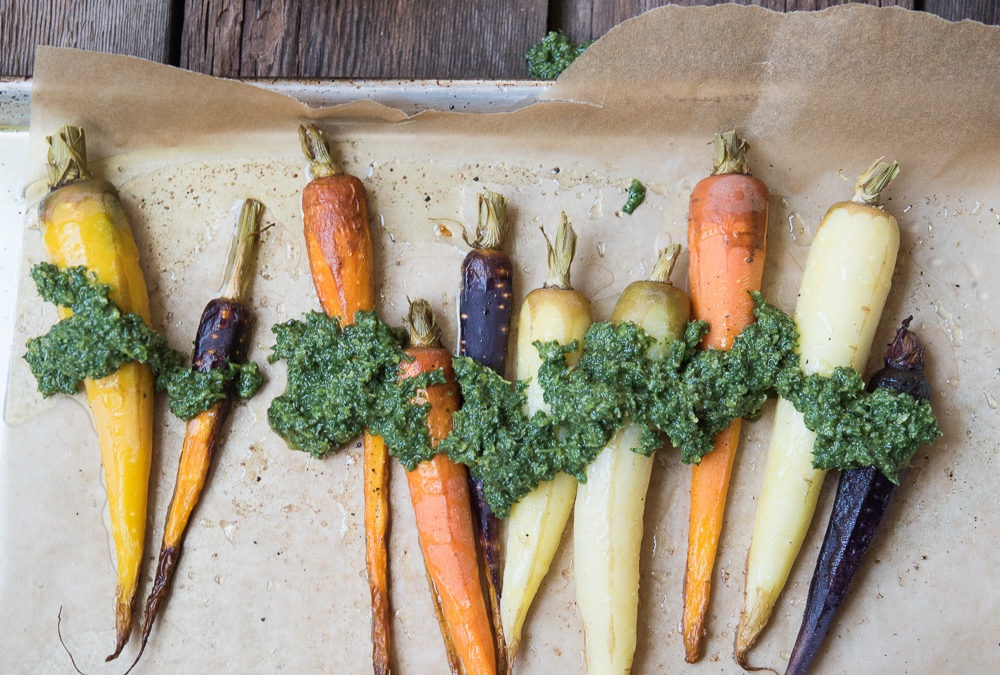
[{"x": 272, "y": 576}]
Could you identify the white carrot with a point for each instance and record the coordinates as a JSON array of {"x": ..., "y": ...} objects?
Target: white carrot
[
  {"x": 534, "y": 529},
  {"x": 607, "y": 536},
  {"x": 844, "y": 286}
]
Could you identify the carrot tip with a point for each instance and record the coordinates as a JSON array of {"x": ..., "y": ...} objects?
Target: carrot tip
[
  {"x": 120, "y": 640},
  {"x": 692, "y": 649},
  {"x": 740, "y": 656},
  {"x": 123, "y": 623}
]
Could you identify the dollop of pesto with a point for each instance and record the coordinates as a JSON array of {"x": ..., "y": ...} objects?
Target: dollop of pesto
[
  {"x": 547, "y": 59},
  {"x": 636, "y": 194},
  {"x": 98, "y": 338},
  {"x": 192, "y": 391},
  {"x": 693, "y": 394},
  {"x": 342, "y": 380}
]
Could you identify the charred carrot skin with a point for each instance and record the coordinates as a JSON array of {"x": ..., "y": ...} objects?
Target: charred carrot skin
[
  {"x": 727, "y": 234},
  {"x": 485, "y": 307},
  {"x": 83, "y": 223},
  {"x": 341, "y": 261},
  {"x": 863, "y": 497},
  {"x": 439, "y": 491},
  {"x": 222, "y": 338}
]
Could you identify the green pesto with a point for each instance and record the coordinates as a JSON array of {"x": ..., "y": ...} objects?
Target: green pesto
[
  {"x": 552, "y": 55},
  {"x": 856, "y": 429},
  {"x": 501, "y": 445},
  {"x": 192, "y": 391},
  {"x": 341, "y": 381},
  {"x": 97, "y": 339},
  {"x": 592, "y": 400},
  {"x": 636, "y": 194},
  {"x": 692, "y": 394}
]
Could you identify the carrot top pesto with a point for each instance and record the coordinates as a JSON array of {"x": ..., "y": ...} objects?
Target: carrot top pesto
[
  {"x": 98, "y": 338},
  {"x": 635, "y": 195},
  {"x": 340, "y": 381}
]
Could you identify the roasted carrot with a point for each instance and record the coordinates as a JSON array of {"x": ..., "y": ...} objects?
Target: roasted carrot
[
  {"x": 844, "y": 287},
  {"x": 221, "y": 339},
  {"x": 439, "y": 490},
  {"x": 557, "y": 312},
  {"x": 862, "y": 500},
  {"x": 607, "y": 535},
  {"x": 339, "y": 246},
  {"x": 485, "y": 307},
  {"x": 83, "y": 223},
  {"x": 727, "y": 233}
]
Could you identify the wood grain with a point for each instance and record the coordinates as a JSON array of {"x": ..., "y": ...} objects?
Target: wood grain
[
  {"x": 590, "y": 19},
  {"x": 391, "y": 39},
  {"x": 116, "y": 26},
  {"x": 347, "y": 38},
  {"x": 987, "y": 11}
]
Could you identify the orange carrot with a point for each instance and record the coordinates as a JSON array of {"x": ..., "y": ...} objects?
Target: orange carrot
[
  {"x": 339, "y": 245},
  {"x": 727, "y": 230},
  {"x": 439, "y": 490}
]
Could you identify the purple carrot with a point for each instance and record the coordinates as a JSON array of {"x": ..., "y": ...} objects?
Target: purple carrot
[
  {"x": 484, "y": 320},
  {"x": 861, "y": 502}
]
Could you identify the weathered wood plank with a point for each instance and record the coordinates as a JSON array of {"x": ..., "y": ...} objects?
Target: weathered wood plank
[
  {"x": 397, "y": 38},
  {"x": 590, "y": 19},
  {"x": 116, "y": 26},
  {"x": 346, "y": 38},
  {"x": 987, "y": 11}
]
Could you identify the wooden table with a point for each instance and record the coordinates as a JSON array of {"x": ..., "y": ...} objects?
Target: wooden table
[{"x": 457, "y": 39}]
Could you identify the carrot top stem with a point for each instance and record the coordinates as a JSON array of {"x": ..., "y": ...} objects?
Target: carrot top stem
[
  {"x": 423, "y": 329},
  {"x": 491, "y": 229},
  {"x": 730, "y": 154},
  {"x": 561, "y": 254},
  {"x": 67, "y": 157},
  {"x": 664, "y": 265},
  {"x": 870, "y": 184},
  {"x": 242, "y": 252},
  {"x": 315, "y": 149}
]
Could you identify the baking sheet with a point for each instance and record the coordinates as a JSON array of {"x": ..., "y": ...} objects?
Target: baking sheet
[{"x": 272, "y": 576}]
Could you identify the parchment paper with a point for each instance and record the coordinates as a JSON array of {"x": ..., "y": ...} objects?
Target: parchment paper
[{"x": 272, "y": 574}]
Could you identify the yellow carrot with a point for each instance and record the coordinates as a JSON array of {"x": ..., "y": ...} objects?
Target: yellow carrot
[{"x": 83, "y": 223}]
